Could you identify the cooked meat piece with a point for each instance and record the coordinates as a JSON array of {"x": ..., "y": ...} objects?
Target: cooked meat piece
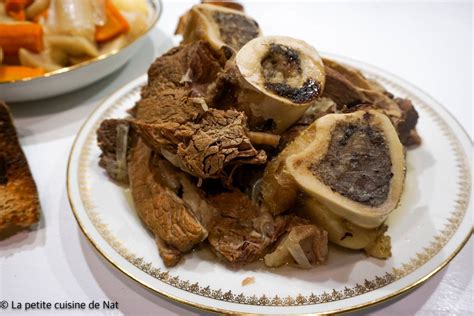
[
  {"x": 304, "y": 244},
  {"x": 175, "y": 121},
  {"x": 406, "y": 126},
  {"x": 234, "y": 205},
  {"x": 170, "y": 255},
  {"x": 223, "y": 94},
  {"x": 206, "y": 144},
  {"x": 348, "y": 88},
  {"x": 160, "y": 208},
  {"x": 114, "y": 141},
  {"x": 244, "y": 233},
  {"x": 176, "y": 106},
  {"x": 193, "y": 64},
  {"x": 340, "y": 89},
  {"x": 180, "y": 183}
]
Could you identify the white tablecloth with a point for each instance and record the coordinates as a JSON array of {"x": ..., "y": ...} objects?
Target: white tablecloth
[{"x": 429, "y": 44}]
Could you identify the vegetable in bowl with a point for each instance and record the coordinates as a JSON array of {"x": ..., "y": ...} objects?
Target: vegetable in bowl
[{"x": 42, "y": 36}]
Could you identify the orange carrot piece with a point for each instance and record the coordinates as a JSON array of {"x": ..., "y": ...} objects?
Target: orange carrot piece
[
  {"x": 16, "y": 36},
  {"x": 16, "y": 8},
  {"x": 116, "y": 24},
  {"x": 8, "y": 73}
]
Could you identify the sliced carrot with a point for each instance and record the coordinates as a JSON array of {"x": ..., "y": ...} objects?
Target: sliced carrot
[
  {"x": 8, "y": 73},
  {"x": 15, "y": 36},
  {"x": 116, "y": 24},
  {"x": 16, "y": 8}
]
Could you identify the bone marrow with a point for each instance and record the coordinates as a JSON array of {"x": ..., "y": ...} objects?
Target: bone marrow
[
  {"x": 225, "y": 29},
  {"x": 355, "y": 166},
  {"x": 230, "y": 24},
  {"x": 283, "y": 75},
  {"x": 278, "y": 77},
  {"x": 357, "y": 163}
]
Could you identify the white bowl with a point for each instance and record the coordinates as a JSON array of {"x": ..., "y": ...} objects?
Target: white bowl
[{"x": 75, "y": 77}]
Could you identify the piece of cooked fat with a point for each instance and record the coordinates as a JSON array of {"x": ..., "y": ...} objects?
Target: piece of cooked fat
[
  {"x": 279, "y": 190},
  {"x": 304, "y": 246},
  {"x": 341, "y": 232}
]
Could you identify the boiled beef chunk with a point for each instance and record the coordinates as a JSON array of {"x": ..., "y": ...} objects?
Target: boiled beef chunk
[
  {"x": 349, "y": 89},
  {"x": 244, "y": 233},
  {"x": 210, "y": 146},
  {"x": 169, "y": 254},
  {"x": 159, "y": 207},
  {"x": 189, "y": 65},
  {"x": 174, "y": 120},
  {"x": 406, "y": 126},
  {"x": 186, "y": 189}
]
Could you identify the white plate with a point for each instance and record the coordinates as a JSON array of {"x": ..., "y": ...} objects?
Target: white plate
[
  {"x": 428, "y": 229},
  {"x": 73, "y": 78}
]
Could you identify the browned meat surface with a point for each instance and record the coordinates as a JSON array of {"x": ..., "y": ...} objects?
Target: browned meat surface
[
  {"x": 340, "y": 89},
  {"x": 193, "y": 65},
  {"x": 174, "y": 120},
  {"x": 210, "y": 146},
  {"x": 111, "y": 135},
  {"x": 348, "y": 88},
  {"x": 223, "y": 94},
  {"x": 160, "y": 208},
  {"x": 183, "y": 186},
  {"x": 170, "y": 255},
  {"x": 244, "y": 233},
  {"x": 406, "y": 126}
]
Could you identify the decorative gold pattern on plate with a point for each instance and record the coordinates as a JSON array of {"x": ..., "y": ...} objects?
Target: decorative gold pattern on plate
[{"x": 439, "y": 241}]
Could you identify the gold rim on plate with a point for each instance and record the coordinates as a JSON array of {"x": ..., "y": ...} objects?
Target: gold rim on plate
[
  {"x": 213, "y": 309},
  {"x": 157, "y": 9}
]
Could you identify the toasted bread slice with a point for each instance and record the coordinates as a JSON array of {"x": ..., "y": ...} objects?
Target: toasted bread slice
[{"x": 19, "y": 203}]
